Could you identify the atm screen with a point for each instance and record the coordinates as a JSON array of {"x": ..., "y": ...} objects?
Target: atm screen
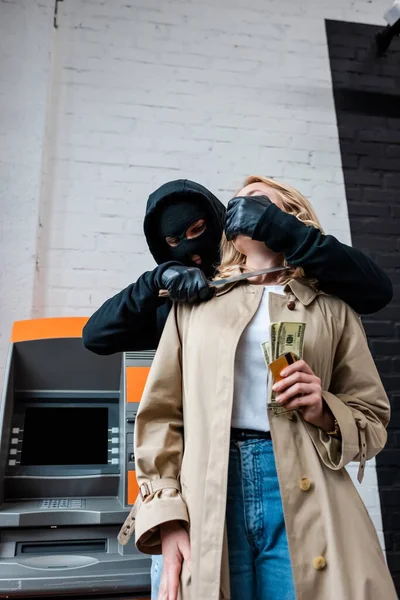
[{"x": 65, "y": 436}]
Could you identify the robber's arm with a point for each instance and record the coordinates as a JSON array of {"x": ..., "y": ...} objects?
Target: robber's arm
[
  {"x": 128, "y": 320},
  {"x": 134, "y": 318},
  {"x": 341, "y": 270}
]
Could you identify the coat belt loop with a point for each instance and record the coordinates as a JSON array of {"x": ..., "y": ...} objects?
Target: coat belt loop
[{"x": 145, "y": 490}]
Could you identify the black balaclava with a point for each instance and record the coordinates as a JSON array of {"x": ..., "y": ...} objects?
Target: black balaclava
[
  {"x": 190, "y": 201},
  {"x": 174, "y": 220}
]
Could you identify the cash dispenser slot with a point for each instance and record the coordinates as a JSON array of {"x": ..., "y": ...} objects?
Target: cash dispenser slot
[{"x": 61, "y": 547}]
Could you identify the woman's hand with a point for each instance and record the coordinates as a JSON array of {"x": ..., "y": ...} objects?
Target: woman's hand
[
  {"x": 300, "y": 389},
  {"x": 175, "y": 549}
]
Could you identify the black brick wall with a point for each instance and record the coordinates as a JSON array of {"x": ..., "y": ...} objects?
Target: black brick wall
[{"x": 367, "y": 100}]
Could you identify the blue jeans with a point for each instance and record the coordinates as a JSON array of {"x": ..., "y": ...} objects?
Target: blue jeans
[
  {"x": 259, "y": 560},
  {"x": 156, "y": 570}
]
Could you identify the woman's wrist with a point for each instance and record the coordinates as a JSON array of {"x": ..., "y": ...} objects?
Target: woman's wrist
[
  {"x": 326, "y": 420},
  {"x": 170, "y": 527}
]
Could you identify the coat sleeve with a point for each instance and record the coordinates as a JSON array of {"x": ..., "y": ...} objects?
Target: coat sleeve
[
  {"x": 341, "y": 270},
  {"x": 357, "y": 400},
  {"x": 159, "y": 443}
]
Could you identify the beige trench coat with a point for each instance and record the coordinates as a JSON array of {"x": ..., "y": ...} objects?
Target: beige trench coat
[{"x": 182, "y": 446}]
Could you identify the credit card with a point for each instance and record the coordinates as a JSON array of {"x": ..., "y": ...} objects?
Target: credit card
[{"x": 277, "y": 366}]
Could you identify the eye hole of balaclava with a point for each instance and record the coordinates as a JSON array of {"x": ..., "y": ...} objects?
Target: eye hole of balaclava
[{"x": 174, "y": 221}]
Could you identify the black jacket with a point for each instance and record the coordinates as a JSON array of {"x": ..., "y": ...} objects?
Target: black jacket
[{"x": 134, "y": 319}]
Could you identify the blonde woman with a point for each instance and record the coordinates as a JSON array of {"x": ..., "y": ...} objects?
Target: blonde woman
[{"x": 242, "y": 503}]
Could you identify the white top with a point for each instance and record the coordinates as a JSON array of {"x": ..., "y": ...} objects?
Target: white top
[{"x": 250, "y": 385}]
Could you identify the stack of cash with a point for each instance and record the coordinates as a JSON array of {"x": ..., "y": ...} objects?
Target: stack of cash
[{"x": 285, "y": 337}]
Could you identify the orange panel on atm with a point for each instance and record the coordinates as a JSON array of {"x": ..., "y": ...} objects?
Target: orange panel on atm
[
  {"x": 136, "y": 378},
  {"x": 48, "y": 328},
  {"x": 133, "y": 488},
  {"x": 135, "y": 381}
]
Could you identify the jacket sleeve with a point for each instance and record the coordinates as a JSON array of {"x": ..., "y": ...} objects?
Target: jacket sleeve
[
  {"x": 159, "y": 443},
  {"x": 129, "y": 320},
  {"x": 357, "y": 400},
  {"x": 341, "y": 270}
]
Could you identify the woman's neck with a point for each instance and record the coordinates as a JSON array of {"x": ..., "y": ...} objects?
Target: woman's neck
[{"x": 263, "y": 258}]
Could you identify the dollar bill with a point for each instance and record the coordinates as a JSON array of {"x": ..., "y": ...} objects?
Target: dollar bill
[
  {"x": 266, "y": 348},
  {"x": 274, "y": 329},
  {"x": 290, "y": 338},
  {"x": 285, "y": 337}
]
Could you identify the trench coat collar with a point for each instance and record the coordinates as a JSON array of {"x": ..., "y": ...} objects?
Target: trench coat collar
[{"x": 301, "y": 290}]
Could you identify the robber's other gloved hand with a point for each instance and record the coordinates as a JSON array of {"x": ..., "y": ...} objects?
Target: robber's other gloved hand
[
  {"x": 243, "y": 214},
  {"x": 186, "y": 284}
]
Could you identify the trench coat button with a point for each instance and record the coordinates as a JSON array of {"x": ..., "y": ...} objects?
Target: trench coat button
[
  {"x": 305, "y": 484},
  {"x": 319, "y": 563},
  {"x": 291, "y": 305}
]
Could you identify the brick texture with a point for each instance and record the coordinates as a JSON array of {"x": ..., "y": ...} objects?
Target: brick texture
[
  {"x": 146, "y": 92},
  {"x": 25, "y": 51},
  {"x": 367, "y": 98}
]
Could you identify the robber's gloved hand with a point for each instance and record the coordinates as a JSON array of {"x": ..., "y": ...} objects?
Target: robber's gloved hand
[
  {"x": 243, "y": 214},
  {"x": 186, "y": 284}
]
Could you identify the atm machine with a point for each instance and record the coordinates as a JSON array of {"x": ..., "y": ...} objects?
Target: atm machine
[{"x": 67, "y": 478}]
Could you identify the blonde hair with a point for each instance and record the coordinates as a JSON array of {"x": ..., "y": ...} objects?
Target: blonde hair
[{"x": 292, "y": 202}]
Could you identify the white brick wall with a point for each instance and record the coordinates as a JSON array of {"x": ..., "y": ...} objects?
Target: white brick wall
[
  {"x": 25, "y": 44},
  {"x": 148, "y": 91},
  {"x": 142, "y": 92}
]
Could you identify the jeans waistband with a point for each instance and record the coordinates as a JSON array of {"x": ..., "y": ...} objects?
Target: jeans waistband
[{"x": 242, "y": 435}]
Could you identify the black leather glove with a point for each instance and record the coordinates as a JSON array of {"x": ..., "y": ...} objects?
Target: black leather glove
[
  {"x": 243, "y": 215},
  {"x": 186, "y": 284}
]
